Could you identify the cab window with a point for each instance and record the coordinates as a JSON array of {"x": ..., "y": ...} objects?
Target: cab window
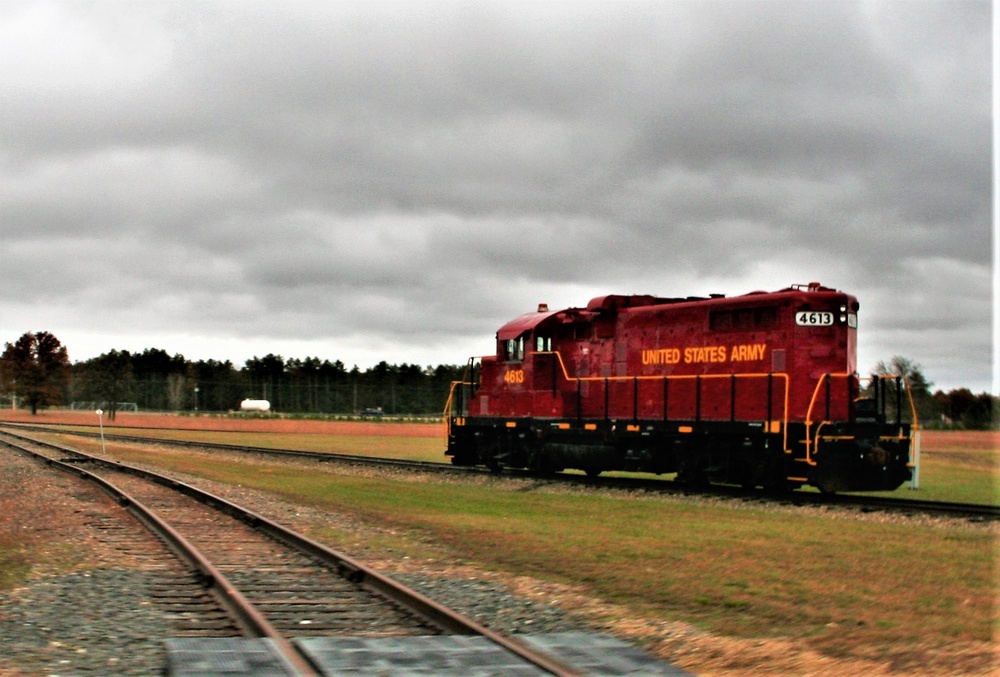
[
  {"x": 743, "y": 319},
  {"x": 514, "y": 349}
]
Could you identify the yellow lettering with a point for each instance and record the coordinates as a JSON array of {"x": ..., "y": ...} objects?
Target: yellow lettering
[
  {"x": 661, "y": 356},
  {"x": 749, "y": 352},
  {"x": 700, "y": 354},
  {"x": 746, "y": 352}
]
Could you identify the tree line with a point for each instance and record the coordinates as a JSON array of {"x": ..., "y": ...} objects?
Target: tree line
[
  {"x": 958, "y": 408},
  {"x": 36, "y": 371}
]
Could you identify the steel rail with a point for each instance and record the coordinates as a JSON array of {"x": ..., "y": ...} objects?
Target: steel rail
[
  {"x": 248, "y": 618},
  {"x": 426, "y": 608},
  {"x": 976, "y": 510},
  {"x": 437, "y": 466}
]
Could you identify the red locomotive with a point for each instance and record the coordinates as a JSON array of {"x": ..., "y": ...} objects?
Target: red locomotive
[{"x": 758, "y": 390}]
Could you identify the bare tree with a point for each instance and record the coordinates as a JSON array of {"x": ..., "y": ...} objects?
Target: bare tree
[
  {"x": 176, "y": 389},
  {"x": 910, "y": 374}
]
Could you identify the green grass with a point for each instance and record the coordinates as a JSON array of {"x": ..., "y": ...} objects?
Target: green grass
[
  {"x": 948, "y": 472},
  {"x": 954, "y": 474},
  {"x": 942, "y": 481},
  {"x": 840, "y": 586}
]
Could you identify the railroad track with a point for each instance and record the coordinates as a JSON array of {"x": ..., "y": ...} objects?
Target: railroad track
[
  {"x": 255, "y": 578},
  {"x": 430, "y": 466},
  {"x": 971, "y": 511}
]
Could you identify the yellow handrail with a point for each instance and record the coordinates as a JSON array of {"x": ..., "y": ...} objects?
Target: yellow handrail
[
  {"x": 651, "y": 377},
  {"x": 813, "y": 447},
  {"x": 446, "y": 415},
  {"x": 809, "y": 412},
  {"x": 913, "y": 405},
  {"x": 679, "y": 377}
]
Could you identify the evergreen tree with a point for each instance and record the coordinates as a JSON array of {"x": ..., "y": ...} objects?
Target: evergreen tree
[{"x": 107, "y": 379}]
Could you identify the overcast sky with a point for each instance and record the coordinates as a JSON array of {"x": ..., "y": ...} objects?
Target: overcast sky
[{"x": 394, "y": 181}]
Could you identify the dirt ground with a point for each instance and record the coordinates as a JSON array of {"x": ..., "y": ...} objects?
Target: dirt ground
[
  {"x": 970, "y": 440},
  {"x": 272, "y": 424}
]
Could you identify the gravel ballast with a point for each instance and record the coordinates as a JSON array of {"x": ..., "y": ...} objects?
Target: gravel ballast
[{"x": 87, "y": 609}]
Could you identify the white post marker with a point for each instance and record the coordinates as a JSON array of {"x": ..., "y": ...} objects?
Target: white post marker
[{"x": 100, "y": 421}]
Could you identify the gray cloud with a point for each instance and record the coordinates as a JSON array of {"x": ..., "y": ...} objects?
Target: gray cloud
[{"x": 393, "y": 181}]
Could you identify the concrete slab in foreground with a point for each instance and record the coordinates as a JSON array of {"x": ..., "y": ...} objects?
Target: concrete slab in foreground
[{"x": 451, "y": 655}]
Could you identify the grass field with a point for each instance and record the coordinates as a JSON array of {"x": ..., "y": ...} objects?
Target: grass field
[
  {"x": 906, "y": 592},
  {"x": 913, "y": 596},
  {"x": 960, "y": 467}
]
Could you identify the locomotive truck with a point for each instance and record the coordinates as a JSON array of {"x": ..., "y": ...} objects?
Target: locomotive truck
[{"x": 757, "y": 390}]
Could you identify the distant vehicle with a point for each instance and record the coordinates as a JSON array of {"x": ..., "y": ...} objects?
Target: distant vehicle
[
  {"x": 372, "y": 412},
  {"x": 255, "y": 405},
  {"x": 759, "y": 390}
]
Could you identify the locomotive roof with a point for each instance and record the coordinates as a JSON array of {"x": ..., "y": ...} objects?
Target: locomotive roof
[
  {"x": 523, "y": 323},
  {"x": 615, "y": 302}
]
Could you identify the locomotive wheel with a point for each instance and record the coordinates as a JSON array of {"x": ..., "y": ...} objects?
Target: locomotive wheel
[
  {"x": 773, "y": 476},
  {"x": 689, "y": 472},
  {"x": 489, "y": 455},
  {"x": 751, "y": 473},
  {"x": 878, "y": 457},
  {"x": 592, "y": 472},
  {"x": 830, "y": 484},
  {"x": 694, "y": 479}
]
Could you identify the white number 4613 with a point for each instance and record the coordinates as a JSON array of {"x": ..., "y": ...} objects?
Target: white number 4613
[{"x": 808, "y": 318}]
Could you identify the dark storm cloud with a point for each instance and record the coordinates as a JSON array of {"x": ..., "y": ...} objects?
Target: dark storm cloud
[{"x": 400, "y": 174}]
